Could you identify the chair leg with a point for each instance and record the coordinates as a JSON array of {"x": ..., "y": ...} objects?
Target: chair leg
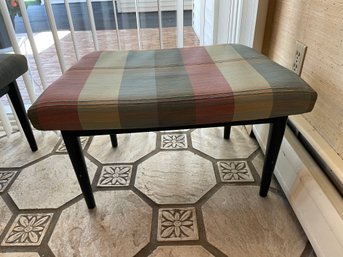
[
  {"x": 18, "y": 105},
  {"x": 275, "y": 136},
  {"x": 73, "y": 146},
  {"x": 227, "y": 132},
  {"x": 114, "y": 140}
]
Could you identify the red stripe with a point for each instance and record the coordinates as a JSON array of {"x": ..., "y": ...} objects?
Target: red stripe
[
  {"x": 208, "y": 83},
  {"x": 65, "y": 91}
]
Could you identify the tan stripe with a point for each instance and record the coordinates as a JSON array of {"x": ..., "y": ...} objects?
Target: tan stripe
[
  {"x": 220, "y": 53},
  {"x": 243, "y": 77},
  {"x": 102, "y": 90},
  {"x": 112, "y": 59}
]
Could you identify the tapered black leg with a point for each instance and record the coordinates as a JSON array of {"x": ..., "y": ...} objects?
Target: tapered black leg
[
  {"x": 114, "y": 140},
  {"x": 251, "y": 134},
  {"x": 227, "y": 132},
  {"x": 18, "y": 105},
  {"x": 276, "y": 132},
  {"x": 73, "y": 146}
]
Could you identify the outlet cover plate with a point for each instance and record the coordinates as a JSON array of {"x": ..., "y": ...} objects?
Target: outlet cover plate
[{"x": 300, "y": 51}]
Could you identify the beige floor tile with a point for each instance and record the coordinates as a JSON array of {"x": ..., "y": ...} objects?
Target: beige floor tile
[
  {"x": 240, "y": 223},
  {"x": 119, "y": 226},
  {"x": 211, "y": 142},
  {"x": 180, "y": 251},
  {"x": 23, "y": 254},
  {"x": 49, "y": 183},
  {"x": 131, "y": 147},
  {"x": 5, "y": 215},
  {"x": 15, "y": 151},
  {"x": 175, "y": 177}
]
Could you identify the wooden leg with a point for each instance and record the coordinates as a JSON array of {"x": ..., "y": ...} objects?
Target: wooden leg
[
  {"x": 276, "y": 132},
  {"x": 114, "y": 140},
  {"x": 227, "y": 132},
  {"x": 18, "y": 105},
  {"x": 73, "y": 146}
]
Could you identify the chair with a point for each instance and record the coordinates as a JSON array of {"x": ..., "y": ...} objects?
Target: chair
[{"x": 13, "y": 66}]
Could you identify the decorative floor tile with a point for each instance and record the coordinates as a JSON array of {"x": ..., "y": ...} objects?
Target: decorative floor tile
[
  {"x": 27, "y": 230},
  {"x": 234, "y": 171},
  {"x": 115, "y": 175},
  {"x": 62, "y": 147},
  {"x": 174, "y": 141},
  {"x": 5, "y": 178},
  {"x": 177, "y": 224},
  {"x": 175, "y": 177}
]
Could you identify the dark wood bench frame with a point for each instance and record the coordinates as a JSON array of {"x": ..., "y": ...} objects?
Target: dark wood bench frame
[{"x": 73, "y": 146}]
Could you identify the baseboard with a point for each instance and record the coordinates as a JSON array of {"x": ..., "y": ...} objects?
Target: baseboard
[{"x": 315, "y": 201}]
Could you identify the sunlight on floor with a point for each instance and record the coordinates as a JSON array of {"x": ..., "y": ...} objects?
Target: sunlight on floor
[{"x": 43, "y": 40}]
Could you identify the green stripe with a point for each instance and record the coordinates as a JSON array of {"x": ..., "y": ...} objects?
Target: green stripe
[
  {"x": 173, "y": 83},
  {"x": 138, "y": 84}
]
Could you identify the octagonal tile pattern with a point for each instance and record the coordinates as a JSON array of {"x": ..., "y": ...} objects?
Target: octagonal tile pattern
[
  {"x": 174, "y": 177},
  {"x": 181, "y": 251},
  {"x": 49, "y": 183},
  {"x": 240, "y": 223},
  {"x": 119, "y": 226},
  {"x": 131, "y": 147},
  {"x": 184, "y": 199},
  {"x": 210, "y": 141},
  {"x": 5, "y": 215},
  {"x": 15, "y": 150}
]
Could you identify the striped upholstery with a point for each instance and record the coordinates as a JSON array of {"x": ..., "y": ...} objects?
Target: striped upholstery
[{"x": 167, "y": 88}]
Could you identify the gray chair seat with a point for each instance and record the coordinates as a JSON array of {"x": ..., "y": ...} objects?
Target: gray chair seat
[{"x": 13, "y": 66}]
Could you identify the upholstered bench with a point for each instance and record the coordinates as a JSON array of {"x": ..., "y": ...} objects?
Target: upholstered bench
[{"x": 135, "y": 91}]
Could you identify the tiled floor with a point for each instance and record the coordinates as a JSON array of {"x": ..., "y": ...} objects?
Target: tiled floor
[{"x": 175, "y": 193}]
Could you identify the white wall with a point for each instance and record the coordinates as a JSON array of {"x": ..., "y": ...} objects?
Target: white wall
[{"x": 230, "y": 21}]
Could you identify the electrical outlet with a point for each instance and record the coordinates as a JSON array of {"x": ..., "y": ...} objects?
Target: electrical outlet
[{"x": 300, "y": 51}]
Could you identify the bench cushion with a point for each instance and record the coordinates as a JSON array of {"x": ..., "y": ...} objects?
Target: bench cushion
[{"x": 168, "y": 88}]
